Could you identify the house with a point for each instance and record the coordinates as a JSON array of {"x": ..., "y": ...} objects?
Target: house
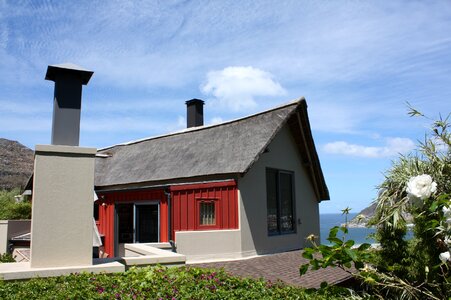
[{"x": 237, "y": 189}]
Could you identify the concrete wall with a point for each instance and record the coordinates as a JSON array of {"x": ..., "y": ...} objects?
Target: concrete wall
[
  {"x": 209, "y": 244},
  {"x": 11, "y": 228},
  {"x": 61, "y": 227},
  {"x": 283, "y": 154}
]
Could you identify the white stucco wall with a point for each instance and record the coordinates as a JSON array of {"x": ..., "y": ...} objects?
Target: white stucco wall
[
  {"x": 283, "y": 154},
  {"x": 209, "y": 244},
  {"x": 62, "y": 208}
]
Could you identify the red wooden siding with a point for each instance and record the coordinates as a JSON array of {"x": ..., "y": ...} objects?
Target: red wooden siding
[
  {"x": 106, "y": 212},
  {"x": 186, "y": 202}
]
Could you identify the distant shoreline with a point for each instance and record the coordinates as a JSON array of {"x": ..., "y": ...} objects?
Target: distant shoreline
[{"x": 364, "y": 225}]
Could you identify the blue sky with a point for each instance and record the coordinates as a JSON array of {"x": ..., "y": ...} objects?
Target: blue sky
[{"x": 356, "y": 63}]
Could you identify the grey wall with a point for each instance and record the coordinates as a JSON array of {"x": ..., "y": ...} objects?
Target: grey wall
[{"x": 283, "y": 154}]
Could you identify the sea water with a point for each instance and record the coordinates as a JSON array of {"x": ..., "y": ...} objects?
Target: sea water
[{"x": 359, "y": 235}]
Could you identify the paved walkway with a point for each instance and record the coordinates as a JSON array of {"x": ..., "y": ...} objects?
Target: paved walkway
[{"x": 283, "y": 266}]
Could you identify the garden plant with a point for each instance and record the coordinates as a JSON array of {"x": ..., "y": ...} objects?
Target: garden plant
[
  {"x": 417, "y": 185},
  {"x": 158, "y": 283}
]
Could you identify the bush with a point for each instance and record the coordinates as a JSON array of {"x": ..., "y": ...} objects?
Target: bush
[
  {"x": 6, "y": 258},
  {"x": 156, "y": 283},
  {"x": 10, "y": 209},
  {"x": 419, "y": 185}
]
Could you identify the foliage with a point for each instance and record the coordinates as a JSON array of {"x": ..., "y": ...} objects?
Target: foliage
[
  {"x": 157, "y": 283},
  {"x": 416, "y": 262},
  {"x": 417, "y": 185},
  {"x": 6, "y": 258},
  {"x": 340, "y": 253},
  {"x": 10, "y": 209}
]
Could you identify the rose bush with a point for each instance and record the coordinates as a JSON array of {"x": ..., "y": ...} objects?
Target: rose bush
[
  {"x": 417, "y": 186},
  {"x": 421, "y": 187}
]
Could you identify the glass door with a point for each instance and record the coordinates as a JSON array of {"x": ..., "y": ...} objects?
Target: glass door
[{"x": 146, "y": 223}]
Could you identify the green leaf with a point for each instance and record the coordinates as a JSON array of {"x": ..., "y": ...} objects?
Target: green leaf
[
  {"x": 364, "y": 247},
  {"x": 315, "y": 264},
  {"x": 335, "y": 240},
  {"x": 345, "y": 211},
  {"x": 349, "y": 243},
  {"x": 344, "y": 229},
  {"x": 358, "y": 264},
  {"x": 351, "y": 254},
  {"x": 307, "y": 254},
  {"x": 333, "y": 231},
  {"x": 433, "y": 206},
  {"x": 303, "y": 269}
]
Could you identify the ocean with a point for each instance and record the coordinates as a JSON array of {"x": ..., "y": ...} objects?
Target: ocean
[{"x": 359, "y": 235}]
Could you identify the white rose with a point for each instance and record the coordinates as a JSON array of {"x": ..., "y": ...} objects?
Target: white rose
[
  {"x": 445, "y": 256},
  {"x": 447, "y": 241},
  {"x": 421, "y": 187}
]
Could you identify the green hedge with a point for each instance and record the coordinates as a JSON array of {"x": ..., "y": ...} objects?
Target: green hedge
[
  {"x": 158, "y": 283},
  {"x": 10, "y": 210}
]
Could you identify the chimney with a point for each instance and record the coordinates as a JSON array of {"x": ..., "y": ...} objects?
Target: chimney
[
  {"x": 194, "y": 113},
  {"x": 68, "y": 79}
]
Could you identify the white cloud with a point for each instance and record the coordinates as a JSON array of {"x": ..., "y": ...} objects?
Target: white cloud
[
  {"x": 216, "y": 120},
  {"x": 236, "y": 87},
  {"x": 393, "y": 147},
  {"x": 181, "y": 122}
]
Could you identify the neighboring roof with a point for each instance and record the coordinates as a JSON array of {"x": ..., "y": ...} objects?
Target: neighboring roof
[
  {"x": 281, "y": 266},
  {"x": 22, "y": 237},
  {"x": 227, "y": 148}
]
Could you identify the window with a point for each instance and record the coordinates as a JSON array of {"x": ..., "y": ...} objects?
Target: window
[
  {"x": 279, "y": 201},
  {"x": 207, "y": 214}
]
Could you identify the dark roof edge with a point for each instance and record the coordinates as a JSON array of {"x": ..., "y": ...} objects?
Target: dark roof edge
[
  {"x": 168, "y": 182},
  {"x": 283, "y": 123},
  {"x": 317, "y": 170},
  {"x": 297, "y": 101}
]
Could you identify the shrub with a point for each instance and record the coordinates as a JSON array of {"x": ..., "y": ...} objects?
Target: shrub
[
  {"x": 6, "y": 258},
  {"x": 420, "y": 185},
  {"x": 10, "y": 209},
  {"x": 156, "y": 283}
]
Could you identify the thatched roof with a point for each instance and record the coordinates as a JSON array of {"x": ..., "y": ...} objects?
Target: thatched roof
[{"x": 227, "y": 148}]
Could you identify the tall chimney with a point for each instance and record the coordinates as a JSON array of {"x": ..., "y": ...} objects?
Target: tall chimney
[
  {"x": 194, "y": 113},
  {"x": 68, "y": 79}
]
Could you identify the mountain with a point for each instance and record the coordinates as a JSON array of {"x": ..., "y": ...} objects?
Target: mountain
[
  {"x": 367, "y": 214},
  {"x": 16, "y": 164}
]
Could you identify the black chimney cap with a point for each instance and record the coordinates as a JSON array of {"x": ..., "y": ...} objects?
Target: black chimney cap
[
  {"x": 194, "y": 101},
  {"x": 52, "y": 70}
]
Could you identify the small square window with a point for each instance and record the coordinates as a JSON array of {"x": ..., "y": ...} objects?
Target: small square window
[{"x": 207, "y": 214}]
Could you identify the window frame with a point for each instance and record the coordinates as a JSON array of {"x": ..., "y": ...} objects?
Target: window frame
[
  {"x": 200, "y": 226},
  {"x": 279, "y": 231}
]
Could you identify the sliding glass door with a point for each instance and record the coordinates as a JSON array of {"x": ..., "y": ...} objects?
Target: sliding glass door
[{"x": 136, "y": 223}]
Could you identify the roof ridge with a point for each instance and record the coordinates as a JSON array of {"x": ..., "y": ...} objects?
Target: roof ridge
[{"x": 199, "y": 128}]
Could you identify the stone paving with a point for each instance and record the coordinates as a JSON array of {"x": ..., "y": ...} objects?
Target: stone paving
[{"x": 282, "y": 266}]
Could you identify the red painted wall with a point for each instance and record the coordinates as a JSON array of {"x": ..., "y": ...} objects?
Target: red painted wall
[
  {"x": 106, "y": 212},
  {"x": 185, "y": 208},
  {"x": 185, "y": 205}
]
